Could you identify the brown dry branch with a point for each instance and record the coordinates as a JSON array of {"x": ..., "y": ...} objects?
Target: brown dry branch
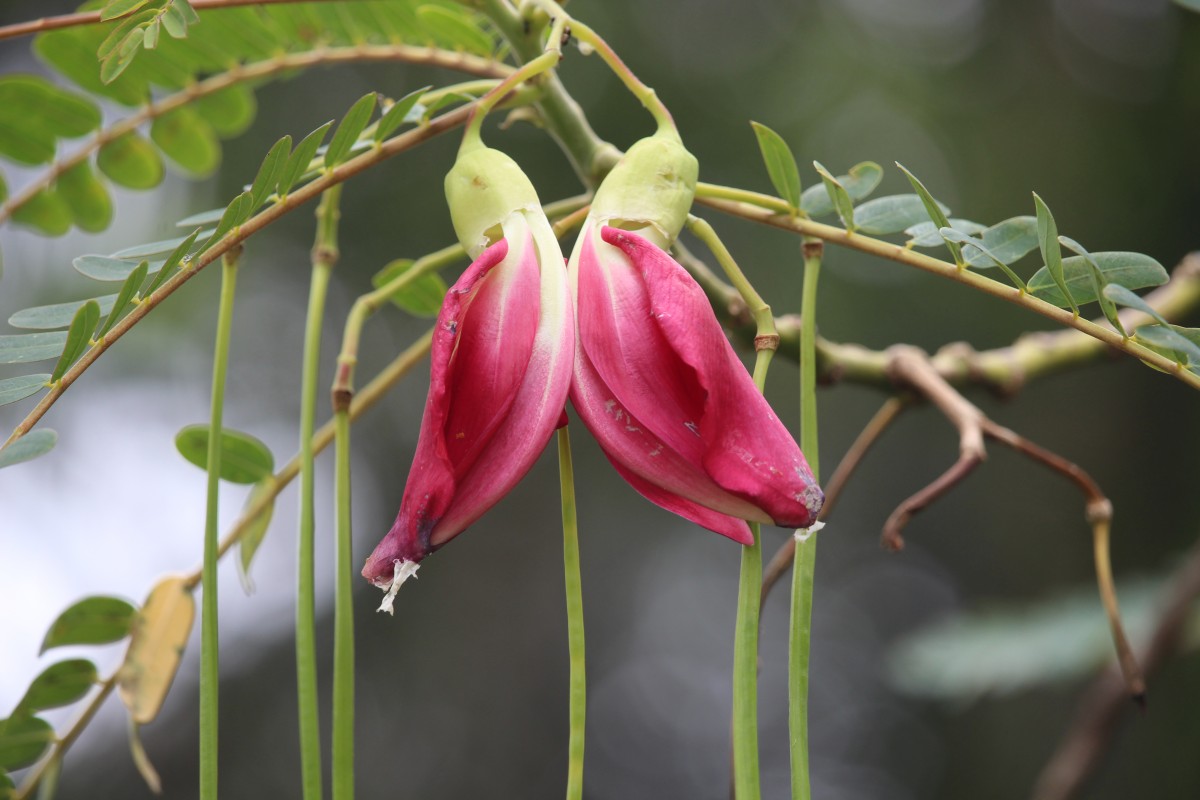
[
  {"x": 781, "y": 562},
  {"x": 1004, "y": 370},
  {"x": 1098, "y": 513},
  {"x": 1104, "y": 705},
  {"x": 912, "y": 370}
]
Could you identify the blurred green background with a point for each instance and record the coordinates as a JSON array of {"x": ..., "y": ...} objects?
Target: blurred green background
[{"x": 1095, "y": 104}]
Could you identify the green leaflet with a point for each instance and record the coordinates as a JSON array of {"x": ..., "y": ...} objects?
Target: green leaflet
[
  {"x": 93, "y": 620},
  {"x": 780, "y": 164},
  {"x": 28, "y": 447},
  {"x": 859, "y": 182},
  {"x": 57, "y": 315},
  {"x": 57, "y": 685},
  {"x": 188, "y": 140},
  {"x": 421, "y": 297},
  {"x": 22, "y": 386},
  {"x": 86, "y": 197},
  {"x": 838, "y": 197},
  {"x": 1130, "y": 270},
  {"x": 131, "y": 161},
  {"x": 244, "y": 459}
]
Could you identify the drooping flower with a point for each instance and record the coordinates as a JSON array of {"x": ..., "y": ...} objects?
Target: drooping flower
[
  {"x": 655, "y": 379},
  {"x": 500, "y": 364}
]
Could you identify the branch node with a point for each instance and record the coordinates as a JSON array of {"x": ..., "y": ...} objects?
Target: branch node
[
  {"x": 341, "y": 399},
  {"x": 767, "y": 341},
  {"x": 1099, "y": 509},
  {"x": 325, "y": 256}
]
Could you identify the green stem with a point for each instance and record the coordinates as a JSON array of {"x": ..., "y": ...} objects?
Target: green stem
[
  {"x": 578, "y": 690},
  {"x": 591, "y": 156},
  {"x": 343, "y": 618},
  {"x": 715, "y": 191},
  {"x": 804, "y": 564},
  {"x": 758, "y": 207},
  {"x": 366, "y": 305},
  {"x": 209, "y": 656},
  {"x": 531, "y": 69},
  {"x": 324, "y": 257},
  {"x": 645, "y": 95},
  {"x": 746, "y": 780},
  {"x": 343, "y": 614},
  {"x": 745, "y": 673},
  {"x": 766, "y": 339}
]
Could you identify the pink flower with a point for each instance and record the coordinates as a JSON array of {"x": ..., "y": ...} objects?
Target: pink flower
[
  {"x": 501, "y": 367},
  {"x": 661, "y": 389}
]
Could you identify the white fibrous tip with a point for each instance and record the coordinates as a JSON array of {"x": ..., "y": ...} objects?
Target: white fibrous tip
[
  {"x": 401, "y": 571},
  {"x": 804, "y": 534}
]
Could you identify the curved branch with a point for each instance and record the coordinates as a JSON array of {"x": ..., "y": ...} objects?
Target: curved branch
[
  {"x": 93, "y": 17},
  {"x": 1098, "y": 512},
  {"x": 411, "y": 54},
  {"x": 902, "y": 255},
  {"x": 1104, "y": 703},
  {"x": 1004, "y": 370},
  {"x": 967, "y": 461},
  {"x": 294, "y": 199},
  {"x": 912, "y": 369}
]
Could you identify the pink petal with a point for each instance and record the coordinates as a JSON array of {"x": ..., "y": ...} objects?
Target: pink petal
[
  {"x": 630, "y": 443},
  {"x": 732, "y": 527},
  {"x": 496, "y": 329},
  {"x": 655, "y": 344},
  {"x": 748, "y": 450},
  {"x": 536, "y": 409},
  {"x": 488, "y": 364},
  {"x": 538, "y": 405}
]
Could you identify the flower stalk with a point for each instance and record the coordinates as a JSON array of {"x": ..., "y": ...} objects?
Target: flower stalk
[
  {"x": 577, "y": 713},
  {"x": 644, "y": 94},
  {"x": 804, "y": 559},
  {"x": 766, "y": 338},
  {"x": 324, "y": 257},
  {"x": 342, "y": 395},
  {"x": 343, "y": 615},
  {"x": 746, "y": 780},
  {"x": 209, "y": 654},
  {"x": 531, "y": 69}
]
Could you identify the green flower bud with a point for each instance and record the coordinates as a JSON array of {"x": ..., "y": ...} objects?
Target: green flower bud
[
  {"x": 653, "y": 185},
  {"x": 483, "y": 189}
]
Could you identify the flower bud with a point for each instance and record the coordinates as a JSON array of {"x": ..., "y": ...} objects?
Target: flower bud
[
  {"x": 653, "y": 185},
  {"x": 500, "y": 365},
  {"x": 483, "y": 189}
]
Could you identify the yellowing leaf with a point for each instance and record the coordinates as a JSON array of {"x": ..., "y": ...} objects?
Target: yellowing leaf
[{"x": 160, "y": 633}]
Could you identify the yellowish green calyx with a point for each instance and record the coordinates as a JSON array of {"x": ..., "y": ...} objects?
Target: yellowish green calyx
[
  {"x": 483, "y": 189},
  {"x": 652, "y": 186}
]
